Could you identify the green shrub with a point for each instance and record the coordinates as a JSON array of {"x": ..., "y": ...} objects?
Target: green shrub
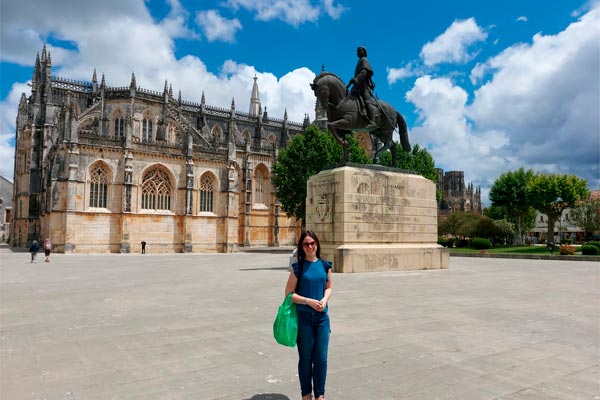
[
  {"x": 446, "y": 242},
  {"x": 567, "y": 241},
  {"x": 481, "y": 244},
  {"x": 462, "y": 243},
  {"x": 589, "y": 250},
  {"x": 593, "y": 243},
  {"x": 566, "y": 250}
]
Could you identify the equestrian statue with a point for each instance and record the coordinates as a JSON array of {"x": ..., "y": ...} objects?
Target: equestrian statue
[{"x": 359, "y": 110}]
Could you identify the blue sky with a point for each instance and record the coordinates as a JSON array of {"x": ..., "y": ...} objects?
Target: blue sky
[{"x": 487, "y": 87}]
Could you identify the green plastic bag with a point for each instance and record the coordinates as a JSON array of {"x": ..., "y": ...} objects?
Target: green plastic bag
[{"x": 285, "y": 327}]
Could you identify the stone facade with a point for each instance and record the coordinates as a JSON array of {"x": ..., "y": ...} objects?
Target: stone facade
[
  {"x": 100, "y": 168},
  {"x": 455, "y": 196},
  {"x": 372, "y": 218}
]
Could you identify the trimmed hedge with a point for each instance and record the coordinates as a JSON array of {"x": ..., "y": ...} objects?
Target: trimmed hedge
[
  {"x": 592, "y": 243},
  {"x": 590, "y": 250},
  {"x": 481, "y": 244}
]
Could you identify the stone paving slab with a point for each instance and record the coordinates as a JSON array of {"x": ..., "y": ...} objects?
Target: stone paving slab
[{"x": 199, "y": 326}]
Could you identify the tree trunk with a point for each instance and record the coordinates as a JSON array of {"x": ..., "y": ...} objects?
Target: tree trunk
[
  {"x": 550, "y": 233},
  {"x": 518, "y": 239}
]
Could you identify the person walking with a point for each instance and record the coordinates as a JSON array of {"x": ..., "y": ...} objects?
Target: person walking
[
  {"x": 35, "y": 247},
  {"x": 143, "y": 243},
  {"x": 310, "y": 283},
  {"x": 47, "y": 249}
]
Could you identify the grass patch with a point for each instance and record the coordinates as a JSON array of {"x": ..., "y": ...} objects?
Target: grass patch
[{"x": 538, "y": 250}]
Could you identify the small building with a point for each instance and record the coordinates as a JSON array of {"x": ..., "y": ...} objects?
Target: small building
[{"x": 6, "y": 192}]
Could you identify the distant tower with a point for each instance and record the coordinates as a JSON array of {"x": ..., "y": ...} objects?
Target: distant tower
[{"x": 254, "y": 101}]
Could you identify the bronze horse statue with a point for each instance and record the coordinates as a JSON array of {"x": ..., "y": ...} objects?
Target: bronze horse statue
[{"x": 344, "y": 116}]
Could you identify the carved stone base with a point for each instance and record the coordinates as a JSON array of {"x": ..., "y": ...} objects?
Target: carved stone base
[{"x": 372, "y": 218}]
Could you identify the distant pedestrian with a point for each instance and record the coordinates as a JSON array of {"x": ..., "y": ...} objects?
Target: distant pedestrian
[
  {"x": 143, "y": 247},
  {"x": 310, "y": 283},
  {"x": 35, "y": 247},
  {"x": 47, "y": 249}
]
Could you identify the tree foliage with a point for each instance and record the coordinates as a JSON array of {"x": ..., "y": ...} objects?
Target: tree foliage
[
  {"x": 551, "y": 194},
  {"x": 509, "y": 192},
  {"x": 305, "y": 156},
  {"x": 418, "y": 160},
  {"x": 587, "y": 216}
]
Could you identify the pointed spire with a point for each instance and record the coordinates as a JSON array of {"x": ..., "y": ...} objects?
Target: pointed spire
[
  {"x": 265, "y": 116},
  {"x": 94, "y": 78},
  {"x": 103, "y": 83},
  {"x": 49, "y": 60},
  {"x": 166, "y": 89},
  {"x": 233, "y": 103},
  {"x": 170, "y": 90},
  {"x": 132, "y": 84},
  {"x": 36, "y": 70},
  {"x": 285, "y": 116},
  {"x": 254, "y": 100},
  {"x": 44, "y": 53},
  {"x": 203, "y": 100},
  {"x": 23, "y": 101},
  {"x": 179, "y": 97}
]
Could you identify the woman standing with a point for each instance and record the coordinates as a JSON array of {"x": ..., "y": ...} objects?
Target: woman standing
[{"x": 310, "y": 281}]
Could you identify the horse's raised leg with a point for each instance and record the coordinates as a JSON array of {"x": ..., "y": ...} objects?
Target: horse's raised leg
[
  {"x": 394, "y": 150},
  {"x": 341, "y": 140}
]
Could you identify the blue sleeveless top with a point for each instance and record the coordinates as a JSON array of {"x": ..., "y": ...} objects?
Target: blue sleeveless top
[{"x": 312, "y": 284}]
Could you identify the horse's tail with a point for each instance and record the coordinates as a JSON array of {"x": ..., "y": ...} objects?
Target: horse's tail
[{"x": 403, "y": 131}]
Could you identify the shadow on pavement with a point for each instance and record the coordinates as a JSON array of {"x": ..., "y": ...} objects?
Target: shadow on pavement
[{"x": 269, "y": 396}]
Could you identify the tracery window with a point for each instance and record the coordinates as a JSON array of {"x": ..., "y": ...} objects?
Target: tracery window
[
  {"x": 156, "y": 191},
  {"x": 98, "y": 187},
  {"x": 207, "y": 193},
  {"x": 119, "y": 123},
  {"x": 147, "y": 130},
  {"x": 260, "y": 188}
]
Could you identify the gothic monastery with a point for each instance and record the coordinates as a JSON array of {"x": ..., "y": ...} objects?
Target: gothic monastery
[{"x": 101, "y": 169}]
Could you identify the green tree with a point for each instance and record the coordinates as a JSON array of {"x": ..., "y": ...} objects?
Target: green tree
[
  {"x": 418, "y": 160},
  {"x": 506, "y": 230},
  {"x": 509, "y": 191},
  {"x": 458, "y": 224},
  {"x": 305, "y": 156},
  {"x": 551, "y": 194},
  {"x": 586, "y": 215},
  {"x": 485, "y": 228}
]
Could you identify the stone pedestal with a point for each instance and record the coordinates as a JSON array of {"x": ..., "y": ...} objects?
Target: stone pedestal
[{"x": 373, "y": 218}]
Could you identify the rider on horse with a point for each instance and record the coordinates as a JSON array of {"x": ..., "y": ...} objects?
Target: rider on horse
[{"x": 362, "y": 87}]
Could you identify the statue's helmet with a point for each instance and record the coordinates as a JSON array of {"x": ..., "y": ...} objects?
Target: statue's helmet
[{"x": 363, "y": 49}]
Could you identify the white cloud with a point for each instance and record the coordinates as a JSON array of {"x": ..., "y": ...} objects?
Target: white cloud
[
  {"x": 293, "y": 12},
  {"x": 216, "y": 27},
  {"x": 522, "y": 19},
  {"x": 396, "y": 74},
  {"x": 452, "y": 45},
  {"x": 540, "y": 109},
  {"x": 8, "y": 115}
]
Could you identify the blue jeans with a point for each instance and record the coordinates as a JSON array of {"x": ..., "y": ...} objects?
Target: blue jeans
[{"x": 313, "y": 342}]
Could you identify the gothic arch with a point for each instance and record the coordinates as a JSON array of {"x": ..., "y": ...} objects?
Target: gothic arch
[
  {"x": 148, "y": 126},
  {"x": 157, "y": 188},
  {"x": 245, "y": 137},
  {"x": 217, "y": 134},
  {"x": 117, "y": 121},
  {"x": 99, "y": 184},
  {"x": 261, "y": 188},
  {"x": 208, "y": 189}
]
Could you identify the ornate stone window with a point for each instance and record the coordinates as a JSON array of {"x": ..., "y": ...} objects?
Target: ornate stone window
[
  {"x": 207, "y": 193},
  {"x": 156, "y": 190},
  {"x": 119, "y": 125},
  {"x": 147, "y": 129},
  {"x": 261, "y": 188},
  {"x": 98, "y": 186}
]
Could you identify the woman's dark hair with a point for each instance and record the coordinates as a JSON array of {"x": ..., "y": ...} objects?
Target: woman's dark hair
[{"x": 301, "y": 253}]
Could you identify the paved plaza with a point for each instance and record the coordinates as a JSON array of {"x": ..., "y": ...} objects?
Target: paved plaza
[{"x": 199, "y": 326}]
